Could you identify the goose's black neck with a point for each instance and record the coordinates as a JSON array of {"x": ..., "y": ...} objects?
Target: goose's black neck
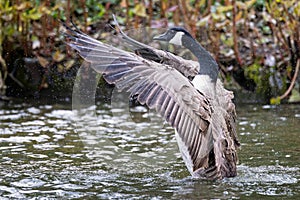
[{"x": 208, "y": 65}]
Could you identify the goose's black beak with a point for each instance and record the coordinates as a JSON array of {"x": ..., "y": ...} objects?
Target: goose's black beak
[{"x": 162, "y": 37}]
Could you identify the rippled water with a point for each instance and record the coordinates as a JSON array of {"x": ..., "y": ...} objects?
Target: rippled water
[{"x": 111, "y": 153}]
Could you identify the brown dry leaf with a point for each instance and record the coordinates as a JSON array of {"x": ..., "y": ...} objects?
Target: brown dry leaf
[
  {"x": 163, "y": 5},
  {"x": 241, "y": 5},
  {"x": 250, "y": 3},
  {"x": 238, "y": 16},
  {"x": 201, "y": 3},
  {"x": 43, "y": 9},
  {"x": 123, "y": 4},
  {"x": 204, "y": 21},
  {"x": 43, "y": 61},
  {"x": 23, "y": 5},
  {"x": 69, "y": 64},
  {"x": 58, "y": 56},
  {"x": 60, "y": 68},
  {"x": 140, "y": 10},
  {"x": 222, "y": 9},
  {"x": 44, "y": 84}
]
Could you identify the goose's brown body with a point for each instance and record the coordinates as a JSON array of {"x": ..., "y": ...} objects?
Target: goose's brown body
[{"x": 205, "y": 124}]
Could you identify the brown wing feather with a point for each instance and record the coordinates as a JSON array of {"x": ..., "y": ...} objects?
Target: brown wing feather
[{"x": 158, "y": 86}]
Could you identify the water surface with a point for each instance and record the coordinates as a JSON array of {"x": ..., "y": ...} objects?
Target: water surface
[{"x": 112, "y": 153}]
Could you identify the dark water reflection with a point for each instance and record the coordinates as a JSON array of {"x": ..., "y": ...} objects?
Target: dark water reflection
[{"x": 46, "y": 151}]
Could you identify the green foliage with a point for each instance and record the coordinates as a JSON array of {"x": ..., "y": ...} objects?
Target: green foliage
[
  {"x": 275, "y": 101},
  {"x": 253, "y": 72},
  {"x": 240, "y": 32},
  {"x": 268, "y": 82},
  {"x": 295, "y": 97}
]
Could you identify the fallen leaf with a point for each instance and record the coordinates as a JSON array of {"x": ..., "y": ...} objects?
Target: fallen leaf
[
  {"x": 69, "y": 64},
  {"x": 295, "y": 97},
  {"x": 23, "y": 5},
  {"x": 43, "y": 61},
  {"x": 60, "y": 68},
  {"x": 140, "y": 10},
  {"x": 58, "y": 56}
]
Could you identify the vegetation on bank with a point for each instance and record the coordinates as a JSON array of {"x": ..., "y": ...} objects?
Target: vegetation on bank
[{"x": 256, "y": 42}]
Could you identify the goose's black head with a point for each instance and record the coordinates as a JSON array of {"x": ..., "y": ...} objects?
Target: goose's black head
[
  {"x": 174, "y": 35},
  {"x": 180, "y": 36}
]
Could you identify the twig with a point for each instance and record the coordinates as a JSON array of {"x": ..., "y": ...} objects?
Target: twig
[
  {"x": 176, "y": 14},
  {"x": 85, "y": 15},
  {"x": 163, "y": 8},
  {"x": 127, "y": 13},
  {"x": 183, "y": 9},
  {"x": 234, "y": 32},
  {"x": 136, "y": 17},
  {"x": 293, "y": 81},
  {"x": 208, "y": 8},
  {"x": 16, "y": 80},
  {"x": 150, "y": 12}
]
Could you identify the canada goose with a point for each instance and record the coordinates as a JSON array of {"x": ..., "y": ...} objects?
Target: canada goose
[{"x": 201, "y": 110}]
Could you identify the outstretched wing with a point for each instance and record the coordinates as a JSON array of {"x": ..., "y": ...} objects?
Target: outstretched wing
[
  {"x": 158, "y": 86},
  {"x": 188, "y": 68}
]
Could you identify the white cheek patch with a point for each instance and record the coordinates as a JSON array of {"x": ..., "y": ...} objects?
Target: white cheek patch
[{"x": 177, "y": 38}]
